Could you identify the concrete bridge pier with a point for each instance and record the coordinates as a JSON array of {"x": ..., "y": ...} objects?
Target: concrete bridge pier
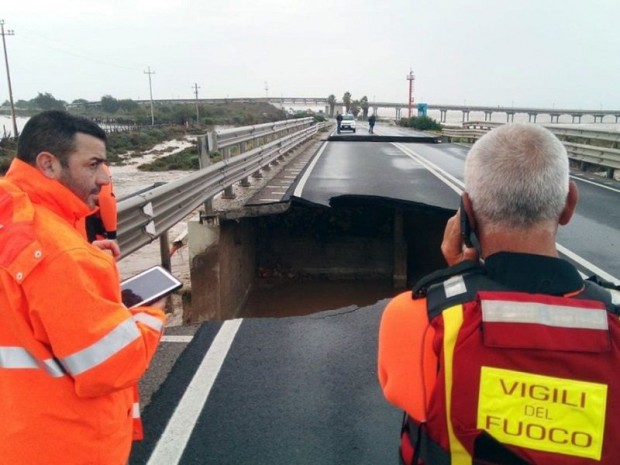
[
  {"x": 488, "y": 115},
  {"x": 532, "y": 117},
  {"x": 399, "y": 274},
  {"x": 222, "y": 263}
]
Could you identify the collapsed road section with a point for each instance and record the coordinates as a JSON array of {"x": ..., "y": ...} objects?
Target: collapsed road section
[{"x": 378, "y": 246}]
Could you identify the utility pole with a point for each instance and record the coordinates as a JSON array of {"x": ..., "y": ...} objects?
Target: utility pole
[
  {"x": 410, "y": 78},
  {"x": 8, "y": 74},
  {"x": 149, "y": 72},
  {"x": 196, "y": 93}
]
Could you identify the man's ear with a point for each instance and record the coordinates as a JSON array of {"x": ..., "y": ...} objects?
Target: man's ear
[
  {"x": 48, "y": 164},
  {"x": 571, "y": 203}
]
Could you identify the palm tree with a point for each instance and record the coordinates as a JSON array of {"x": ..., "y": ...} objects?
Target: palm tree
[
  {"x": 331, "y": 101},
  {"x": 346, "y": 99},
  {"x": 365, "y": 105}
]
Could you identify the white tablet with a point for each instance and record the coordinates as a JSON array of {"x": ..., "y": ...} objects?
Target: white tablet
[{"x": 148, "y": 287}]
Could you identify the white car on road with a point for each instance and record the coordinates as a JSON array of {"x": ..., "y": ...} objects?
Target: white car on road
[{"x": 347, "y": 123}]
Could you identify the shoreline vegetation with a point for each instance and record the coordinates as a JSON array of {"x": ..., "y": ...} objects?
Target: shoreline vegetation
[{"x": 172, "y": 122}]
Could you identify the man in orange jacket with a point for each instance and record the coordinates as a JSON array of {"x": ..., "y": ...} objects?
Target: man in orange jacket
[
  {"x": 70, "y": 352},
  {"x": 512, "y": 360}
]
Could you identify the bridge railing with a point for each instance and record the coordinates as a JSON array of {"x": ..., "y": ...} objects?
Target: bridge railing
[
  {"x": 146, "y": 216},
  {"x": 590, "y": 147},
  {"x": 237, "y": 140}
]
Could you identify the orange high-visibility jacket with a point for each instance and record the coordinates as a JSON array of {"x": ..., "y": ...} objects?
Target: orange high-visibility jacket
[
  {"x": 70, "y": 351},
  {"x": 103, "y": 222}
]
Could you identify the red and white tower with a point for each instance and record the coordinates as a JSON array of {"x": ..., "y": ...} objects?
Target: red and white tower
[{"x": 410, "y": 78}]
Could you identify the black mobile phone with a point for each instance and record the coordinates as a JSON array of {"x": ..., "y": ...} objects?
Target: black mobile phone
[
  {"x": 148, "y": 287},
  {"x": 466, "y": 232}
]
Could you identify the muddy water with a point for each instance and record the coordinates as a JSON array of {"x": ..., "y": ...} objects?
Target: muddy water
[
  {"x": 128, "y": 178},
  {"x": 289, "y": 298}
]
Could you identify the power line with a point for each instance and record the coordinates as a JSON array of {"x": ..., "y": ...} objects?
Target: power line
[
  {"x": 41, "y": 41},
  {"x": 9, "y": 32},
  {"x": 196, "y": 93}
]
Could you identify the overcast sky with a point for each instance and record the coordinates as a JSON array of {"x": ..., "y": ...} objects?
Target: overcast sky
[{"x": 537, "y": 53}]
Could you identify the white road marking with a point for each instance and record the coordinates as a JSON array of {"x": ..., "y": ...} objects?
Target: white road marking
[
  {"x": 455, "y": 184},
  {"x": 613, "y": 189},
  {"x": 176, "y": 338},
  {"x": 173, "y": 441},
  {"x": 300, "y": 187}
]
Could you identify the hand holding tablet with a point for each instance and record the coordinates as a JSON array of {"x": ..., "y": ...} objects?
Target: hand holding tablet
[{"x": 148, "y": 287}]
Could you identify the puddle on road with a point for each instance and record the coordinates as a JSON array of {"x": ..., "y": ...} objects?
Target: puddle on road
[{"x": 287, "y": 298}]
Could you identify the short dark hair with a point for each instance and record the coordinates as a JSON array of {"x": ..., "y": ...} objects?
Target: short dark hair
[{"x": 54, "y": 132}]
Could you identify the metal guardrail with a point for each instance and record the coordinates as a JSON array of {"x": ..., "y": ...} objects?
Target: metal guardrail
[
  {"x": 149, "y": 215},
  {"x": 593, "y": 155},
  {"x": 594, "y": 147},
  {"x": 237, "y": 140}
]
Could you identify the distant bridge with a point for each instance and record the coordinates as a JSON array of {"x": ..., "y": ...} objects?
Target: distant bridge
[{"x": 533, "y": 113}]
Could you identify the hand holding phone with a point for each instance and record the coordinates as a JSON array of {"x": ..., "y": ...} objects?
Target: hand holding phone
[
  {"x": 466, "y": 231},
  {"x": 459, "y": 240}
]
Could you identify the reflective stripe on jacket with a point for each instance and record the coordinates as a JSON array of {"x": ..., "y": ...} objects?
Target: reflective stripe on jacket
[
  {"x": 70, "y": 352},
  {"x": 503, "y": 378}
]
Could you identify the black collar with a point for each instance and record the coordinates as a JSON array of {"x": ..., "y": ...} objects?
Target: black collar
[{"x": 533, "y": 273}]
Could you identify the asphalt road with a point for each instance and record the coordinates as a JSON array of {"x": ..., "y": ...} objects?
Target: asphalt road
[
  {"x": 303, "y": 390},
  {"x": 299, "y": 390}
]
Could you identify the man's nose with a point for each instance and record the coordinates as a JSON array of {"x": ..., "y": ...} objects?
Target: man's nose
[{"x": 103, "y": 177}]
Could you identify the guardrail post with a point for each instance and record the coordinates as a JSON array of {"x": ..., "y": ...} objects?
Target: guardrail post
[
  {"x": 229, "y": 194},
  {"x": 212, "y": 141},
  {"x": 203, "y": 152},
  {"x": 164, "y": 251},
  {"x": 204, "y": 160}
]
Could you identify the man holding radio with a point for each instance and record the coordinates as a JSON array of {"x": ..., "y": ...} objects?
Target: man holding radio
[
  {"x": 508, "y": 356},
  {"x": 70, "y": 352}
]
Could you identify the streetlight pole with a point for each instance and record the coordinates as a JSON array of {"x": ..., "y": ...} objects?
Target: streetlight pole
[
  {"x": 8, "y": 74},
  {"x": 149, "y": 72}
]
